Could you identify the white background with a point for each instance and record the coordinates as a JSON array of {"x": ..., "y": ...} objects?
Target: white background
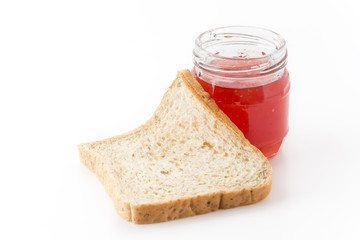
[{"x": 75, "y": 71}]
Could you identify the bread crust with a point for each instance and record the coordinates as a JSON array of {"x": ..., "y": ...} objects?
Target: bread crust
[
  {"x": 183, "y": 207},
  {"x": 93, "y": 162}
]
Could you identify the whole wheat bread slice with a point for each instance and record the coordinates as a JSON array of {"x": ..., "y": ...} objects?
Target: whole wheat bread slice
[{"x": 188, "y": 159}]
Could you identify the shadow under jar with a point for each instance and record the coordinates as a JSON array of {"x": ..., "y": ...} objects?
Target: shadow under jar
[{"x": 244, "y": 71}]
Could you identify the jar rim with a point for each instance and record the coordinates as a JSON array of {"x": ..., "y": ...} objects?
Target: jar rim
[
  {"x": 282, "y": 45},
  {"x": 274, "y": 59}
]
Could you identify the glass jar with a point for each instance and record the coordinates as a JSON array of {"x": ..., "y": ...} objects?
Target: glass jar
[{"x": 244, "y": 71}]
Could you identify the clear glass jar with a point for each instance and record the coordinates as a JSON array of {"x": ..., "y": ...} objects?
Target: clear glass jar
[{"x": 244, "y": 71}]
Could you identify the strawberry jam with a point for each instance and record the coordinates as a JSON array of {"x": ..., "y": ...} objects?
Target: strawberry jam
[
  {"x": 248, "y": 81},
  {"x": 261, "y": 113}
]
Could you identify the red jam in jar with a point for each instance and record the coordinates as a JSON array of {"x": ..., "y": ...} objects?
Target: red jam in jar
[{"x": 243, "y": 70}]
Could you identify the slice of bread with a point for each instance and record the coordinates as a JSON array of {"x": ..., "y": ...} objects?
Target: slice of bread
[{"x": 188, "y": 159}]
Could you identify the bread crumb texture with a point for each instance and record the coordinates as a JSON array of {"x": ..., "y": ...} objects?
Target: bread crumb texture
[{"x": 186, "y": 160}]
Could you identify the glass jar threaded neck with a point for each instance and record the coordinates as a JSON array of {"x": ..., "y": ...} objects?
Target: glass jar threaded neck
[{"x": 240, "y": 52}]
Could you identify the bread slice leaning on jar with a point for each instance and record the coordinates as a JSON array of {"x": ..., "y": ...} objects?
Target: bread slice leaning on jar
[{"x": 188, "y": 159}]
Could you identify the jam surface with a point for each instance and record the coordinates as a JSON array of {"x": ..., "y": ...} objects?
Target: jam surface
[{"x": 260, "y": 112}]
